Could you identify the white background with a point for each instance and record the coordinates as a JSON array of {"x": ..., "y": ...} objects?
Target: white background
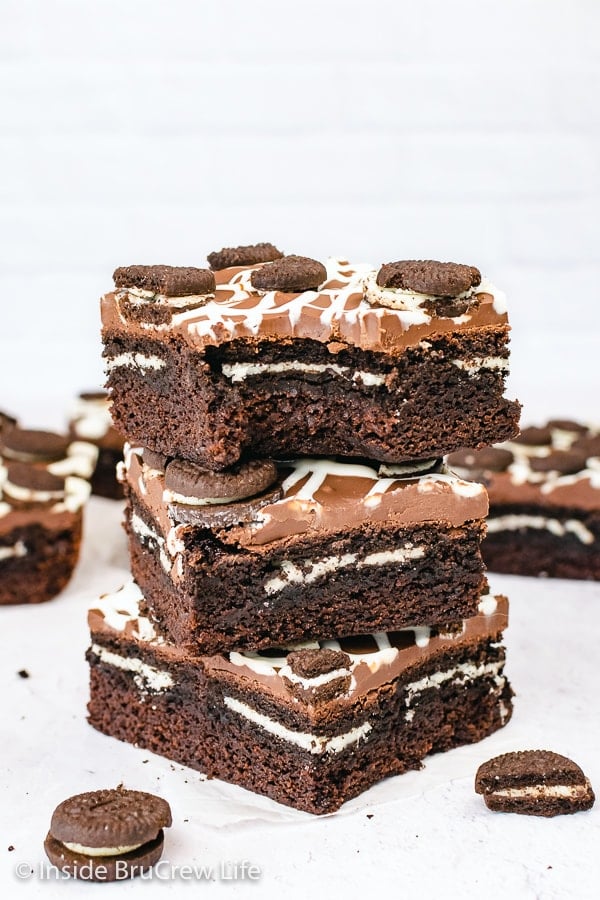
[{"x": 145, "y": 131}]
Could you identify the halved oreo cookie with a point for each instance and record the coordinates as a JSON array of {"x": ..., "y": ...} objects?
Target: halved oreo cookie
[
  {"x": 188, "y": 483},
  {"x": 427, "y": 276},
  {"x": 107, "y": 835},
  {"x": 534, "y": 783},
  {"x": 33, "y": 446},
  {"x": 243, "y": 256},
  {"x": 170, "y": 281},
  {"x": 317, "y": 676},
  {"x": 291, "y": 274}
]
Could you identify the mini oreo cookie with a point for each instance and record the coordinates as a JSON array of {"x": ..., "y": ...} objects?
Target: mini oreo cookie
[
  {"x": 243, "y": 256},
  {"x": 311, "y": 663},
  {"x": 565, "y": 462},
  {"x": 534, "y": 783},
  {"x": 427, "y": 276},
  {"x": 291, "y": 275},
  {"x": 490, "y": 459},
  {"x": 589, "y": 446},
  {"x": 34, "y": 479},
  {"x": 188, "y": 482},
  {"x": 33, "y": 446},
  {"x": 171, "y": 281},
  {"x": 107, "y": 835},
  {"x": 534, "y": 437},
  {"x": 568, "y": 425},
  {"x": 226, "y": 515}
]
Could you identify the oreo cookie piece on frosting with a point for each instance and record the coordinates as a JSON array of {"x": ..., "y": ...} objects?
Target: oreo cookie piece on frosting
[
  {"x": 107, "y": 835},
  {"x": 291, "y": 274},
  {"x": 188, "y": 483},
  {"x": 534, "y": 783},
  {"x": 169, "y": 281},
  {"x": 249, "y": 255},
  {"x": 442, "y": 288}
]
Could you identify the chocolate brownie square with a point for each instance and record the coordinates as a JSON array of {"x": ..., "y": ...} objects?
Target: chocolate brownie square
[
  {"x": 309, "y": 726},
  {"x": 277, "y": 553},
  {"x": 291, "y": 357}
]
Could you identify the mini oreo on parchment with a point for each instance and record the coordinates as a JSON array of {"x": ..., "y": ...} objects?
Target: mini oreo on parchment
[
  {"x": 290, "y": 275},
  {"x": 249, "y": 255},
  {"x": 107, "y": 835},
  {"x": 534, "y": 783},
  {"x": 220, "y": 499},
  {"x": 29, "y": 445}
]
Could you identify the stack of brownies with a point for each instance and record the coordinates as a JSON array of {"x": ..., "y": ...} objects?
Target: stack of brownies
[{"x": 310, "y": 612}]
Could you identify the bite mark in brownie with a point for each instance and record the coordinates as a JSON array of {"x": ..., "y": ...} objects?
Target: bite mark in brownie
[{"x": 279, "y": 374}]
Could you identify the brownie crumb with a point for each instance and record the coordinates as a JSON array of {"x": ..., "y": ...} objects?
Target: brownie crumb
[{"x": 23, "y": 673}]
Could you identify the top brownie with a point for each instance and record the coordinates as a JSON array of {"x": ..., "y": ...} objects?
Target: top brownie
[{"x": 282, "y": 356}]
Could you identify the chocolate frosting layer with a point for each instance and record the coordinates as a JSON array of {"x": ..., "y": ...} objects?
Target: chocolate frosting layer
[
  {"x": 373, "y": 660},
  {"x": 561, "y": 470},
  {"x": 322, "y": 495},
  {"x": 336, "y": 314}
]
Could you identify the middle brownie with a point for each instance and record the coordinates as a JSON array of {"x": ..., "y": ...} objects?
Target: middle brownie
[{"x": 328, "y": 548}]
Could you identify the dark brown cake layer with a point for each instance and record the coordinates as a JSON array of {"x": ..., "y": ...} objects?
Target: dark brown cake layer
[
  {"x": 544, "y": 491},
  {"x": 248, "y": 719},
  {"x": 41, "y": 561},
  {"x": 334, "y": 371},
  {"x": 343, "y": 549}
]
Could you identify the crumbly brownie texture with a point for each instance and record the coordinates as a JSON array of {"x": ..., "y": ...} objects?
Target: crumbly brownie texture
[
  {"x": 544, "y": 491},
  {"x": 43, "y": 487},
  {"x": 332, "y": 548},
  {"x": 534, "y": 783},
  {"x": 107, "y": 835},
  {"x": 91, "y": 421},
  {"x": 333, "y": 371},
  {"x": 306, "y": 734}
]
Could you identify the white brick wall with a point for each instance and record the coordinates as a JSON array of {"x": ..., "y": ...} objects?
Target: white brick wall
[{"x": 145, "y": 131}]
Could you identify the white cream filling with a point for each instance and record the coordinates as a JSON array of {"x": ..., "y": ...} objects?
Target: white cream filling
[
  {"x": 147, "y": 678},
  {"x": 143, "y": 531},
  {"x": 571, "y": 791},
  {"x": 317, "y": 681},
  {"x": 475, "y": 365},
  {"x": 28, "y": 495},
  {"x": 17, "y": 550},
  {"x": 311, "y": 570},
  {"x": 123, "y": 607},
  {"x": 312, "y": 743},
  {"x": 101, "y": 851},
  {"x": 80, "y": 460},
  {"x": 237, "y": 372},
  {"x": 466, "y": 671},
  {"x": 173, "y": 497},
  {"x": 135, "y": 361},
  {"x": 91, "y": 418},
  {"x": 140, "y": 297},
  {"x": 554, "y": 526}
]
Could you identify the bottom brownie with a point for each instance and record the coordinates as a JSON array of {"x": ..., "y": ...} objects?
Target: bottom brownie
[{"x": 312, "y": 726}]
